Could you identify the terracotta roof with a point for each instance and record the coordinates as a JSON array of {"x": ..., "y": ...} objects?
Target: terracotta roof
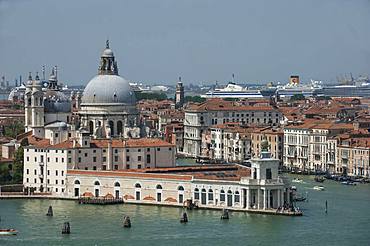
[
  {"x": 217, "y": 104},
  {"x": 129, "y": 174},
  {"x": 103, "y": 143}
]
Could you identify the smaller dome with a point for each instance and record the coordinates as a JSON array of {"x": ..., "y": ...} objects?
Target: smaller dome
[{"x": 107, "y": 53}]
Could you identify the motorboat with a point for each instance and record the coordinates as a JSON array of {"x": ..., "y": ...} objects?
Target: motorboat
[
  {"x": 296, "y": 180},
  {"x": 8, "y": 232},
  {"x": 348, "y": 183},
  {"x": 319, "y": 187}
]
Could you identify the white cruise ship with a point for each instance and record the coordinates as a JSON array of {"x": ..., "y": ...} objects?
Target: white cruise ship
[{"x": 233, "y": 90}]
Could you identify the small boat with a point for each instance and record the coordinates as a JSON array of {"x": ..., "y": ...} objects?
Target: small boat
[
  {"x": 293, "y": 188},
  {"x": 319, "y": 187},
  {"x": 319, "y": 179},
  {"x": 8, "y": 232},
  {"x": 296, "y": 180},
  {"x": 348, "y": 183}
]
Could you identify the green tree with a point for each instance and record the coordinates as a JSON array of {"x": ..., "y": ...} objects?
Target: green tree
[
  {"x": 196, "y": 99},
  {"x": 18, "y": 166},
  {"x": 160, "y": 96}
]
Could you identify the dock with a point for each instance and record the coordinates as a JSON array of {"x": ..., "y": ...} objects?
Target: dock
[{"x": 100, "y": 201}]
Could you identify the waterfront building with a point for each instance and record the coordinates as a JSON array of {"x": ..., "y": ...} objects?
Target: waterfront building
[
  {"x": 230, "y": 142},
  {"x": 275, "y": 137},
  {"x": 236, "y": 187},
  {"x": 199, "y": 118},
  {"x": 46, "y": 163}
]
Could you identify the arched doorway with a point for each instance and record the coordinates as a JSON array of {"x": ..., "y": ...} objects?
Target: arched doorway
[
  {"x": 97, "y": 188},
  {"x": 138, "y": 191},
  {"x": 117, "y": 186},
  {"x": 203, "y": 199},
  {"x": 180, "y": 190},
  {"x": 229, "y": 198},
  {"x": 77, "y": 188},
  {"x": 159, "y": 193}
]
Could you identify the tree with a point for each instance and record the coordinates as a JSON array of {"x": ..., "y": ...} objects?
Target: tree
[
  {"x": 18, "y": 166},
  {"x": 196, "y": 99},
  {"x": 160, "y": 96}
]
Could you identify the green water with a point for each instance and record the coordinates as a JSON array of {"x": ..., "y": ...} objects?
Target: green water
[{"x": 347, "y": 222}]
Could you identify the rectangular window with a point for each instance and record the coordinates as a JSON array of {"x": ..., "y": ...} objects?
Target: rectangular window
[
  {"x": 35, "y": 172},
  {"x": 127, "y": 150},
  {"x": 139, "y": 158},
  {"x": 127, "y": 166},
  {"x": 94, "y": 151},
  {"x": 56, "y": 159},
  {"x": 48, "y": 172},
  {"x": 62, "y": 173},
  {"x": 94, "y": 159},
  {"x": 27, "y": 180},
  {"x": 62, "y": 182},
  {"x": 139, "y": 166},
  {"x": 28, "y": 171},
  {"x": 35, "y": 181},
  {"x": 158, "y": 149},
  {"x": 48, "y": 181},
  {"x": 56, "y": 181},
  {"x": 115, "y": 167},
  {"x": 127, "y": 158},
  {"x": 104, "y": 167},
  {"x": 94, "y": 168},
  {"x": 62, "y": 160},
  {"x": 104, "y": 159},
  {"x": 28, "y": 158},
  {"x": 148, "y": 159},
  {"x": 35, "y": 159},
  {"x": 85, "y": 154},
  {"x": 116, "y": 151},
  {"x": 79, "y": 159},
  {"x": 69, "y": 160},
  {"x": 116, "y": 158}
]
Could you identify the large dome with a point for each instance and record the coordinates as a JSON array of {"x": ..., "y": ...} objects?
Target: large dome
[{"x": 108, "y": 89}]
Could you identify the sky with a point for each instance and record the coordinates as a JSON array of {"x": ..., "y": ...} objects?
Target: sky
[{"x": 203, "y": 41}]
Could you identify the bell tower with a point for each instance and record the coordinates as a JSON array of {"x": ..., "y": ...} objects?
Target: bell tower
[
  {"x": 34, "y": 107},
  {"x": 179, "y": 97}
]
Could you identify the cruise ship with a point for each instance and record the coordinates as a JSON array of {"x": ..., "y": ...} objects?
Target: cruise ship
[
  {"x": 233, "y": 90},
  {"x": 359, "y": 87},
  {"x": 291, "y": 89}
]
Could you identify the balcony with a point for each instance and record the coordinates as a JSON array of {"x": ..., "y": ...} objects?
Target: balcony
[
  {"x": 41, "y": 176},
  {"x": 41, "y": 164}
]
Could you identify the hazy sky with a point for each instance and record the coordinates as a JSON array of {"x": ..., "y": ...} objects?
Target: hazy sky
[{"x": 158, "y": 40}]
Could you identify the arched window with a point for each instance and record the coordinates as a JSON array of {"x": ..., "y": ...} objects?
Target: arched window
[
  {"x": 119, "y": 127},
  {"x": 97, "y": 183},
  {"x": 222, "y": 195},
  {"x": 159, "y": 187},
  {"x": 77, "y": 182},
  {"x": 29, "y": 102},
  {"x": 196, "y": 194},
  {"x": 137, "y": 185},
  {"x": 91, "y": 126},
  {"x": 180, "y": 188},
  {"x": 210, "y": 195},
  {"x": 111, "y": 126},
  {"x": 117, "y": 184},
  {"x": 237, "y": 196}
]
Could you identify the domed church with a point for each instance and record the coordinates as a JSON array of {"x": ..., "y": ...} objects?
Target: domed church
[
  {"x": 108, "y": 104},
  {"x": 106, "y": 109}
]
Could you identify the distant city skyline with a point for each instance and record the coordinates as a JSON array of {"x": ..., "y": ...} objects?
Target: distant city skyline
[{"x": 200, "y": 40}]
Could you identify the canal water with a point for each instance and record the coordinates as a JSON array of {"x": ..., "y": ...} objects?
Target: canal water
[{"x": 346, "y": 223}]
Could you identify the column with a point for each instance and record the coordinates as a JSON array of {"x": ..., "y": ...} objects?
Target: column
[
  {"x": 248, "y": 197},
  {"x": 268, "y": 198},
  {"x": 278, "y": 197},
  {"x": 258, "y": 198},
  {"x": 264, "y": 199},
  {"x": 287, "y": 196}
]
